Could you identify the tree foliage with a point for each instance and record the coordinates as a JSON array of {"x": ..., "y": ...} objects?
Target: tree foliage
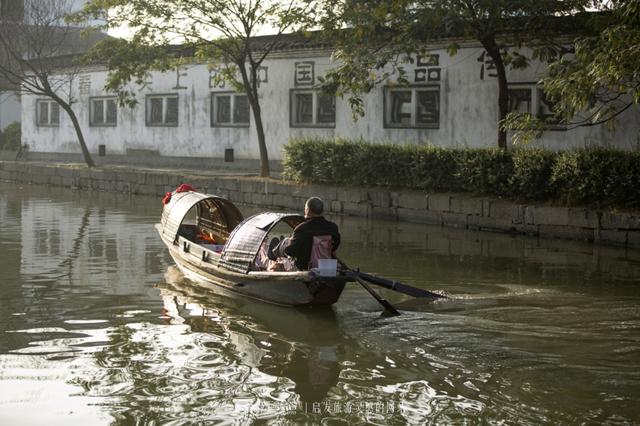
[
  {"x": 36, "y": 57},
  {"x": 380, "y": 37},
  {"x": 11, "y": 138},
  {"x": 599, "y": 80},
  {"x": 225, "y": 34}
]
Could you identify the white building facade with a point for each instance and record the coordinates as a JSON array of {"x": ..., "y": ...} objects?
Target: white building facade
[{"x": 451, "y": 101}]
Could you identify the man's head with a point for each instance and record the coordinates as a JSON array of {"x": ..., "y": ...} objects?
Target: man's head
[{"x": 313, "y": 207}]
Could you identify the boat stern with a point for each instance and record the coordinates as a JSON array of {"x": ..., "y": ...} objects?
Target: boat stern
[{"x": 325, "y": 290}]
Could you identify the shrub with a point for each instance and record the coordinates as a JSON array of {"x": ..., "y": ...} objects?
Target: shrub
[
  {"x": 485, "y": 170},
  {"x": 588, "y": 176},
  {"x": 598, "y": 176},
  {"x": 298, "y": 160},
  {"x": 433, "y": 169},
  {"x": 531, "y": 176},
  {"x": 384, "y": 165},
  {"x": 12, "y": 137}
]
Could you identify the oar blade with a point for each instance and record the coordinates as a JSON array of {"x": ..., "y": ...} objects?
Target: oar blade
[
  {"x": 399, "y": 287},
  {"x": 389, "y": 310}
]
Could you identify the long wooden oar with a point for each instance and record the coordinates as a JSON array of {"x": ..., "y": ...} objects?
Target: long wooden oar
[
  {"x": 397, "y": 286},
  {"x": 389, "y": 310}
]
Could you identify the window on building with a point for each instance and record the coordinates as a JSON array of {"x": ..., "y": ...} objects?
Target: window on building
[
  {"x": 229, "y": 110},
  {"x": 311, "y": 108},
  {"x": 104, "y": 112},
  {"x": 47, "y": 113},
  {"x": 412, "y": 107},
  {"x": 519, "y": 100},
  {"x": 162, "y": 110},
  {"x": 326, "y": 109},
  {"x": 530, "y": 98},
  {"x": 545, "y": 110}
]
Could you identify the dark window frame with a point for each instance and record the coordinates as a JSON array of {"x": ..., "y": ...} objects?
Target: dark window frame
[
  {"x": 512, "y": 89},
  {"x": 49, "y": 122},
  {"x": 232, "y": 110},
  {"x": 537, "y": 94},
  {"x": 540, "y": 100},
  {"x": 164, "y": 97},
  {"x": 105, "y": 100},
  {"x": 315, "y": 110},
  {"x": 413, "y": 89}
]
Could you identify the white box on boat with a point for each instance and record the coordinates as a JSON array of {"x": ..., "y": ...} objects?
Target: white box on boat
[{"x": 328, "y": 267}]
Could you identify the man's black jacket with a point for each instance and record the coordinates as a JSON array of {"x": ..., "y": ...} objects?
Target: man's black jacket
[{"x": 302, "y": 239}]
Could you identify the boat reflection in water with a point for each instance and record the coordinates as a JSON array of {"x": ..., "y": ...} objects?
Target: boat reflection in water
[{"x": 301, "y": 344}]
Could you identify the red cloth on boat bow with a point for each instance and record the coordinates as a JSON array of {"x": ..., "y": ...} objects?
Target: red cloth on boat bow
[{"x": 182, "y": 188}]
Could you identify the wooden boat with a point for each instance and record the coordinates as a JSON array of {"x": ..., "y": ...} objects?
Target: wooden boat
[{"x": 210, "y": 242}]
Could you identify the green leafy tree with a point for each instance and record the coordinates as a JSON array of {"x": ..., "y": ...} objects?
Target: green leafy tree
[
  {"x": 378, "y": 38},
  {"x": 598, "y": 80},
  {"x": 36, "y": 57},
  {"x": 12, "y": 137},
  {"x": 222, "y": 33}
]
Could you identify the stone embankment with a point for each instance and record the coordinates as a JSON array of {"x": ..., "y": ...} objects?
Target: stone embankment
[{"x": 455, "y": 210}]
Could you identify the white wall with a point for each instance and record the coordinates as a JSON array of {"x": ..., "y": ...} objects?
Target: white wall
[{"x": 468, "y": 113}]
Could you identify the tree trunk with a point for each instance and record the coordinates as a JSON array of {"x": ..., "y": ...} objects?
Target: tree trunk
[
  {"x": 251, "y": 89},
  {"x": 262, "y": 144},
  {"x": 490, "y": 45},
  {"x": 252, "y": 84},
  {"x": 76, "y": 126}
]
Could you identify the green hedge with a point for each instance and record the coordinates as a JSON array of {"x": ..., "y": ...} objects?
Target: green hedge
[
  {"x": 586, "y": 176},
  {"x": 11, "y": 138}
]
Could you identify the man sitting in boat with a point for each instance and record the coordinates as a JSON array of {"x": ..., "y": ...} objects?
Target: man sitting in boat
[{"x": 300, "y": 244}]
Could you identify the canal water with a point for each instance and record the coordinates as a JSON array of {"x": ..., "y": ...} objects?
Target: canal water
[{"x": 98, "y": 327}]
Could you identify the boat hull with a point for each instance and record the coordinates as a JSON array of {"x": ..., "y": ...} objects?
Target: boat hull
[{"x": 284, "y": 289}]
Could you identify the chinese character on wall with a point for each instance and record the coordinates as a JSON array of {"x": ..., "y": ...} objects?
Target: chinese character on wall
[
  {"x": 215, "y": 79},
  {"x": 488, "y": 64},
  {"x": 178, "y": 75},
  {"x": 427, "y": 69},
  {"x": 427, "y": 74},
  {"x": 304, "y": 73},
  {"x": 84, "y": 84},
  {"x": 262, "y": 75}
]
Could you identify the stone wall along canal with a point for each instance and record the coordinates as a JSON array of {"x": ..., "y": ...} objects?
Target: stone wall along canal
[{"x": 464, "y": 211}]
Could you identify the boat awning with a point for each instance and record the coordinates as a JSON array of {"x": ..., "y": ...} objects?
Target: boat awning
[
  {"x": 244, "y": 242},
  {"x": 174, "y": 212}
]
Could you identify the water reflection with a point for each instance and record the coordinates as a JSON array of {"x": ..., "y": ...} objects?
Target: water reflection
[
  {"x": 306, "y": 353},
  {"x": 65, "y": 239}
]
